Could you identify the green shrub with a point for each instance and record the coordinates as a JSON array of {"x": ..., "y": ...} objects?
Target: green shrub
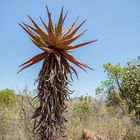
[
  {"x": 122, "y": 86},
  {"x": 7, "y": 98},
  {"x": 83, "y": 107}
]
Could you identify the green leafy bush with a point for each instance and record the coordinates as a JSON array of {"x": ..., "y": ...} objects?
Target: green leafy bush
[
  {"x": 83, "y": 107},
  {"x": 7, "y": 98},
  {"x": 122, "y": 87}
]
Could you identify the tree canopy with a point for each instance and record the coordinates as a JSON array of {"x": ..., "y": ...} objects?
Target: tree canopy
[{"x": 122, "y": 86}]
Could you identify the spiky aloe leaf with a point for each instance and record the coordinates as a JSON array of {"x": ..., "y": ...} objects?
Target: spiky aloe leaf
[
  {"x": 33, "y": 60},
  {"x": 78, "y": 45}
]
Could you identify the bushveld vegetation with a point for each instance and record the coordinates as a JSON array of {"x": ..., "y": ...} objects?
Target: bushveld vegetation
[
  {"x": 109, "y": 122},
  {"x": 122, "y": 87},
  {"x": 112, "y": 115},
  {"x": 53, "y": 94}
]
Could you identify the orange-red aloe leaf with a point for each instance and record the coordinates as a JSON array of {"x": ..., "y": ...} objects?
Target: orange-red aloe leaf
[
  {"x": 28, "y": 31},
  {"x": 52, "y": 37},
  {"x": 35, "y": 24},
  {"x": 65, "y": 16},
  {"x": 79, "y": 66},
  {"x": 42, "y": 46},
  {"x": 50, "y": 23},
  {"x": 36, "y": 40},
  {"x": 33, "y": 36},
  {"x": 74, "y": 71},
  {"x": 59, "y": 24},
  {"x": 78, "y": 45},
  {"x": 32, "y": 28},
  {"x": 67, "y": 31},
  {"x": 47, "y": 49},
  {"x": 69, "y": 41},
  {"x": 44, "y": 24},
  {"x": 77, "y": 28},
  {"x": 73, "y": 32},
  {"x": 42, "y": 34},
  {"x": 39, "y": 56},
  {"x": 33, "y": 60},
  {"x": 74, "y": 60},
  {"x": 64, "y": 59}
]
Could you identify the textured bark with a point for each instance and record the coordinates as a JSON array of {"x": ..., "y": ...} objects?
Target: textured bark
[{"x": 52, "y": 93}]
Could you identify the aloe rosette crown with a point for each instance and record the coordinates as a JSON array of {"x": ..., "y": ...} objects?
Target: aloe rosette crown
[
  {"x": 52, "y": 80},
  {"x": 54, "y": 40}
]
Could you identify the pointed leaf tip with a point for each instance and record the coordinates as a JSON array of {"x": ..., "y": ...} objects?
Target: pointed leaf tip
[
  {"x": 33, "y": 61},
  {"x": 79, "y": 45},
  {"x": 48, "y": 10}
]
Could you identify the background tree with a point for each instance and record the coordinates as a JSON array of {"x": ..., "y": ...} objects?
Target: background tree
[
  {"x": 122, "y": 86},
  {"x": 131, "y": 85},
  {"x": 53, "y": 78}
]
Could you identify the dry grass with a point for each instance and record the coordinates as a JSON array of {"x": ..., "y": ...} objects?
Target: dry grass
[{"x": 110, "y": 123}]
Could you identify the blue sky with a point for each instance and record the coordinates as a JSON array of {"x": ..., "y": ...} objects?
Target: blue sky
[{"x": 115, "y": 23}]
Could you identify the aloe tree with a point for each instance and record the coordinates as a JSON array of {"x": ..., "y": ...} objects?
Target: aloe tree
[{"x": 52, "y": 80}]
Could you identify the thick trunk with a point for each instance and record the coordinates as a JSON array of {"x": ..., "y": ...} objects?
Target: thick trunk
[{"x": 52, "y": 93}]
